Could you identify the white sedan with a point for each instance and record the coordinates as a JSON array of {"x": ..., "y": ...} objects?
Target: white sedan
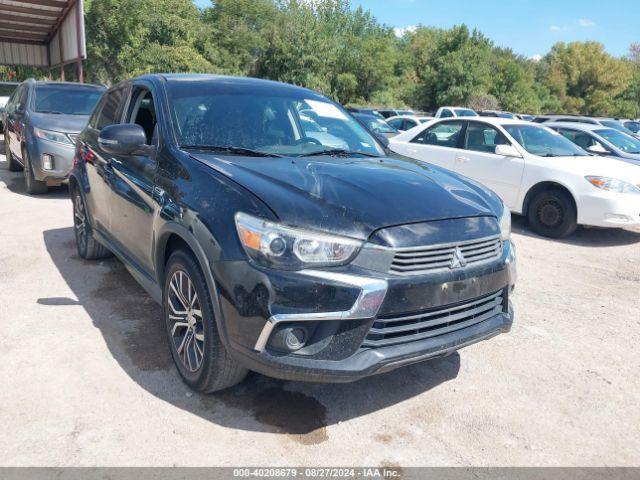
[{"x": 536, "y": 171}]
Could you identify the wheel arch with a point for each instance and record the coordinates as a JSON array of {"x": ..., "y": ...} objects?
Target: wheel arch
[
  {"x": 543, "y": 186},
  {"x": 73, "y": 183},
  {"x": 174, "y": 236}
]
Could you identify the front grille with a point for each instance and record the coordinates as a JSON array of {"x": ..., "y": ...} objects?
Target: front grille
[
  {"x": 392, "y": 330},
  {"x": 430, "y": 258}
]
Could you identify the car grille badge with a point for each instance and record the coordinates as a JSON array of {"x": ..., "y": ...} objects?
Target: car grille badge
[{"x": 458, "y": 260}]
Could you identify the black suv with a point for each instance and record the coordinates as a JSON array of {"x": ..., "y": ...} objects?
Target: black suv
[{"x": 274, "y": 252}]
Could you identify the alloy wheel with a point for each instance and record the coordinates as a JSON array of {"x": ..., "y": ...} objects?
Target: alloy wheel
[
  {"x": 185, "y": 316},
  {"x": 80, "y": 221}
]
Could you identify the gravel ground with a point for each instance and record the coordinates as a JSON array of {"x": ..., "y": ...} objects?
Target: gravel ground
[{"x": 87, "y": 377}]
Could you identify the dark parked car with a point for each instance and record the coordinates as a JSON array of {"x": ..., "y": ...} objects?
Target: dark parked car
[
  {"x": 367, "y": 111},
  {"x": 42, "y": 120},
  {"x": 632, "y": 125},
  {"x": 6, "y": 90},
  {"x": 271, "y": 251}
]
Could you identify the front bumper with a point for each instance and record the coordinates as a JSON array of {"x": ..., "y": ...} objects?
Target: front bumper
[
  {"x": 62, "y": 159},
  {"x": 340, "y": 306},
  {"x": 372, "y": 361},
  {"x": 608, "y": 209}
]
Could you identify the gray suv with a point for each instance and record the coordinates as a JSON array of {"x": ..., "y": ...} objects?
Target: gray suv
[{"x": 41, "y": 121}]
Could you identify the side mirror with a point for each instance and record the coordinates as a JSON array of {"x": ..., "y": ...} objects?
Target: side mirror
[
  {"x": 597, "y": 149},
  {"x": 122, "y": 139},
  {"x": 507, "y": 151},
  {"x": 383, "y": 140}
]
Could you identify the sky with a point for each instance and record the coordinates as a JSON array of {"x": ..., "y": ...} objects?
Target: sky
[{"x": 529, "y": 27}]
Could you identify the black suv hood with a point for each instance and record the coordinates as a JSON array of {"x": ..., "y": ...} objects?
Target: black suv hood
[{"x": 355, "y": 196}]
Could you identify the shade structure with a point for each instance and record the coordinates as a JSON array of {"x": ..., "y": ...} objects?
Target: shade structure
[{"x": 42, "y": 33}]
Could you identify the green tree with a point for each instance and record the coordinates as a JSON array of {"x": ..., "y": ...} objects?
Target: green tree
[
  {"x": 451, "y": 65},
  {"x": 585, "y": 78},
  {"x": 513, "y": 82},
  {"x": 131, "y": 37}
]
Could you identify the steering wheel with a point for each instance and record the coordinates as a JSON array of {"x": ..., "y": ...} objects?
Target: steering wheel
[{"x": 304, "y": 140}]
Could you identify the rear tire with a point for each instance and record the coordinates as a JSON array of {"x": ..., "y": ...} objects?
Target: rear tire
[
  {"x": 33, "y": 186},
  {"x": 12, "y": 164},
  {"x": 88, "y": 247},
  {"x": 552, "y": 213},
  {"x": 197, "y": 350}
]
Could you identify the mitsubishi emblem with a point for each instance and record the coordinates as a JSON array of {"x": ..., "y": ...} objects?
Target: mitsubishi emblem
[{"x": 458, "y": 260}]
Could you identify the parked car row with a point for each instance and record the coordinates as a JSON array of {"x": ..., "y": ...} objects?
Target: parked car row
[
  {"x": 285, "y": 238},
  {"x": 601, "y": 121},
  {"x": 552, "y": 178},
  {"x": 282, "y": 233}
]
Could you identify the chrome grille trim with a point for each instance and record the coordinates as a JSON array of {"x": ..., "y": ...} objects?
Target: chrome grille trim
[
  {"x": 394, "y": 330},
  {"x": 431, "y": 258}
]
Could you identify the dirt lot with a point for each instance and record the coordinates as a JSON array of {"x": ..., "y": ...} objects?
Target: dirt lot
[{"x": 87, "y": 377}]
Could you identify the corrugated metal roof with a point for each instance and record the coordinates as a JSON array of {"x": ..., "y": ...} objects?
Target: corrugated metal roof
[{"x": 41, "y": 32}]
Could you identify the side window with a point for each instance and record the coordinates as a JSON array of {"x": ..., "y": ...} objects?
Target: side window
[
  {"x": 143, "y": 112},
  {"x": 109, "y": 113},
  {"x": 93, "y": 121},
  {"x": 21, "y": 98},
  {"x": 582, "y": 139},
  {"x": 481, "y": 137},
  {"x": 444, "y": 134},
  {"x": 396, "y": 123},
  {"x": 446, "y": 113},
  {"x": 409, "y": 124}
]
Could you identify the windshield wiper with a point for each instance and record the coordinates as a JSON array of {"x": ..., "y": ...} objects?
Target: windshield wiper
[
  {"x": 339, "y": 152},
  {"x": 55, "y": 112},
  {"x": 230, "y": 149}
]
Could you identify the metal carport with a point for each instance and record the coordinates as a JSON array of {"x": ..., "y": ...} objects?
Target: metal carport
[{"x": 42, "y": 33}]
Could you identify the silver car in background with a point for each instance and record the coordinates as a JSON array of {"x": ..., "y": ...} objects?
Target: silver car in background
[
  {"x": 600, "y": 140},
  {"x": 41, "y": 121}
]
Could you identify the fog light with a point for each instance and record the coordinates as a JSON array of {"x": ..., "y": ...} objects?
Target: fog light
[
  {"x": 47, "y": 162},
  {"x": 289, "y": 339}
]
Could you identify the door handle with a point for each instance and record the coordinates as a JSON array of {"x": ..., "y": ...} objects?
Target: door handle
[
  {"x": 463, "y": 159},
  {"x": 412, "y": 150}
]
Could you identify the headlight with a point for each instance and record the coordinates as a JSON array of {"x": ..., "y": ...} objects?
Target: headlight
[
  {"x": 505, "y": 224},
  {"x": 287, "y": 248},
  {"x": 613, "y": 185},
  {"x": 52, "y": 136}
]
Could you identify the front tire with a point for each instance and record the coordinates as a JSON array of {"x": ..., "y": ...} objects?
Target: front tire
[
  {"x": 88, "y": 247},
  {"x": 200, "y": 357},
  {"x": 12, "y": 164},
  {"x": 552, "y": 213},
  {"x": 32, "y": 185}
]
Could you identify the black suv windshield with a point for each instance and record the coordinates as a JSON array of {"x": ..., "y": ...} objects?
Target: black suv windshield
[
  {"x": 265, "y": 119},
  {"x": 543, "y": 142},
  {"x": 66, "y": 99}
]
